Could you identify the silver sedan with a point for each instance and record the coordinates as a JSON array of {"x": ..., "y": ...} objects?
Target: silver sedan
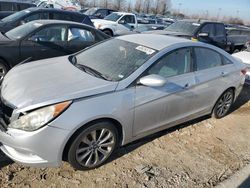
[{"x": 81, "y": 107}]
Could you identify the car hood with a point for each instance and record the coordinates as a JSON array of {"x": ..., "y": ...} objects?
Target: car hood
[
  {"x": 4, "y": 39},
  {"x": 164, "y": 32},
  {"x": 244, "y": 56},
  {"x": 50, "y": 81},
  {"x": 102, "y": 21}
]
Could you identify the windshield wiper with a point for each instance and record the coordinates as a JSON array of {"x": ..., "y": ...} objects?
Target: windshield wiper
[{"x": 92, "y": 71}]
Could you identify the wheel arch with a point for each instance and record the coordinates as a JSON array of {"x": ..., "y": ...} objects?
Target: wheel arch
[
  {"x": 232, "y": 88},
  {"x": 108, "y": 29},
  {"x": 115, "y": 122}
]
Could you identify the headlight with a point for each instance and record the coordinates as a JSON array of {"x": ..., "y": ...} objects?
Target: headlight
[{"x": 38, "y": 118}]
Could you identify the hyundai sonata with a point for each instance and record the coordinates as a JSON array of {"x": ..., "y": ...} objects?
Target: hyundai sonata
[{"x": 81, "y": 107}]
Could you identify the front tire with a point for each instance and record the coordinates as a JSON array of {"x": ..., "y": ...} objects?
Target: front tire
[
  {"x": 93, "y": 146},
  {"x": 223, "y": 104}
]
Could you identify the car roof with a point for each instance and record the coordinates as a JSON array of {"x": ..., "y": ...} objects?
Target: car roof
[
  {"x": 33, "y": 9},
  {"x": 47, "y": 22},
  {"x": 157, "y": 42}
]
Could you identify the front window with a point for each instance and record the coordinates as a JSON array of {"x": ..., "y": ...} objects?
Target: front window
[
  {"x": 16, "y": 16},
  {"x": 173, "y": 64},
  {"x": 90, "y": 11},
  {"x": 183, "y": 27},
  {"x": 115, "y": 59},
  {"x": 22, "y": 31},
  {"x": 113, "y": 17}
]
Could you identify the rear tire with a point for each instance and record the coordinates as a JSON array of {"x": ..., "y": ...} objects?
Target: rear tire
[
  {"x": 93, "y": 146},
  {"x": 223, "y": 104},
  {"x": 3, "y": 70},
  {"x": 108, "y": 32}
]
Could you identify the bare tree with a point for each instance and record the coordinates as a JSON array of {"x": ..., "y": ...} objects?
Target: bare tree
[
  {"x": 83, "y": 2},
  {"x": 119, "y": 4},
  {"x": 147, "y": 5},
  {"x": 130, "y": 8},
  {"x": 138, "y": 6},
  {"x": 105, "y": 4}
]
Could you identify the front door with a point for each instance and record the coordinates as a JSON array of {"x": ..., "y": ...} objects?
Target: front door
[{"x": 159, "y": 106}]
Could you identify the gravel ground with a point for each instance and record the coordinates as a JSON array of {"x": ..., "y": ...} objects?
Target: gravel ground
[{"x": 200, "y": 153}]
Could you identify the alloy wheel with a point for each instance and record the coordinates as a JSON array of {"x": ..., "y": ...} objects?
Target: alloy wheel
[
  {"x": 95, "y": 147},
  {"x": 224, "y": 104}
]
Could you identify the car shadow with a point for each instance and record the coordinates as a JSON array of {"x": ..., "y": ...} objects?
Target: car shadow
[
  {"x": 4, "y": 160},
  {"x": 243, "y": 98},
  {"x": 138, "y": 143}
]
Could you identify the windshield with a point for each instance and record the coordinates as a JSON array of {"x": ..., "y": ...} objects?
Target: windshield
[
  {"x": 113, "y": 17},
  {"x": 15, "y": 16},
  {"x": 90, "y": 11},
  {"x": 183, "y": 27},
  {"x": 115, "y": 59},
  {"x": 23, "y": 30}
]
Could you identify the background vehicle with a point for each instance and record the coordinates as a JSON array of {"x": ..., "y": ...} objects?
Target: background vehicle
[
  {"x": 117, "y": 23},
  {"x": 60, "y": 4},
  {"x": 9, "y": 7},
  {"x": 31, "y": 14},
  {"x": 244, "y": 56},
  {"x": 98, "y": 12},
  {"x": 85, "y": 105},
  {"x": 42, "y": 39},
  {"x": 209, "y": 32},
  {"x": 149, "y": 27}
]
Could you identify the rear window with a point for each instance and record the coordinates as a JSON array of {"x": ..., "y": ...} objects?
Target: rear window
[
  {"x": 206, "y": 58},
  {"x": 5, "y": 6}
]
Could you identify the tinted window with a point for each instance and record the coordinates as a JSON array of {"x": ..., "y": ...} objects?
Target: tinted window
[
  {"x": 51, "y": 34},
  {"x": 206, "y": 58},
  {"x": 129, "y": 19},
  {"x": 226, "y": 61},
  {"x": 32, "y": 17},
  {"x": 4, "y": 6},
  {"x": 101, "y": 12},
  {"x": 60, "y": 16},
  {"x": 173, "y": 64},
  {"x": 208, "y": 28},
  {"x": 183, "y": 27},
  {"x": 219, "y": 30},
  {"x": 80, "y": 35}
]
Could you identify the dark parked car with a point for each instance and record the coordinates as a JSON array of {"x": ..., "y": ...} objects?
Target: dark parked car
[
  {"x": 31, "y": 14},
  {"x": 9, "y": 7},
  {"x": 42, "y": 39},
  {"x": 98, "y": 13},
  {"x": 213, "y": 33}
]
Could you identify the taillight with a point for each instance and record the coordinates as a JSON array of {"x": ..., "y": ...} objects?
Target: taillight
[{"x": 244, "y": 71}]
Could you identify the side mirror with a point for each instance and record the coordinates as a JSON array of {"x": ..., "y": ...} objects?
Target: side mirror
[
  {"x": 121, "y": 22},
  {"x": 203, "y": 35},
  {"x": 153, "y": 80}
]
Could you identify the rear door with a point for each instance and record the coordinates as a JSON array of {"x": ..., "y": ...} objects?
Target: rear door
[
  {"x": 212, "y": 74},
  {"x": 79, "y": 38},
  {"x": 159, "y": 106},
  {"x": 48, "y": 42}
]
